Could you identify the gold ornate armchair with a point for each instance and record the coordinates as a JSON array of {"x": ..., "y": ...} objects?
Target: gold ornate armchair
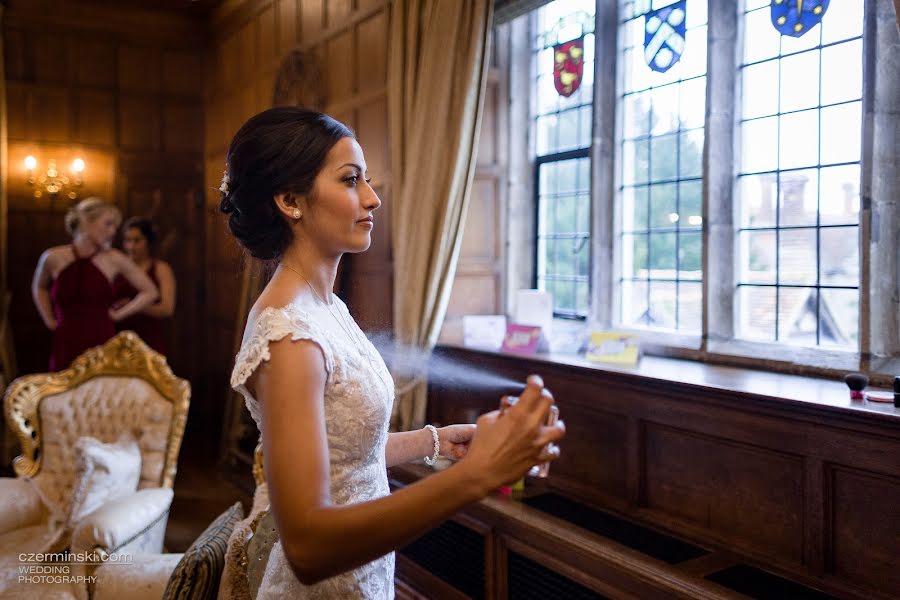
[{"x": 122, "y": 385}]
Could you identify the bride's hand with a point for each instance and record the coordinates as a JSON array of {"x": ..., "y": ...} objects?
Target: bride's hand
[
  {"x": 506, "y": 447},
  {"x": 454, "y": 440}
]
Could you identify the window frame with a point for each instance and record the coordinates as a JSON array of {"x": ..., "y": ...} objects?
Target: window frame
[{"x": 878, "y": 352}]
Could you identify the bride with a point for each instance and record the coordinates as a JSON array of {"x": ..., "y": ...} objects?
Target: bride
[{"x": 295, "y": 191}]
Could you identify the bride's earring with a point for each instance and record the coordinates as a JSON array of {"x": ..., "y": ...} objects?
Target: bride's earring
[{"x": 296, "y": 214}]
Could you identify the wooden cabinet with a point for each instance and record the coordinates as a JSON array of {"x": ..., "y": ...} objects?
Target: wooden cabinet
[{"x": 699, "y": 489}]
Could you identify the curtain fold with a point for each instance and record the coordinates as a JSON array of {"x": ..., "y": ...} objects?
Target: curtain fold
[{"x": 438, "y": 66}]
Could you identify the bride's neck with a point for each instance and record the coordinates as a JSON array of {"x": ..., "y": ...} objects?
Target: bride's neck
[{"x": 319, "y": 271}]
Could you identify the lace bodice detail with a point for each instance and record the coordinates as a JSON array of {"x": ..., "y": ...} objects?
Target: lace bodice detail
[{"x": 359, "y": 393}]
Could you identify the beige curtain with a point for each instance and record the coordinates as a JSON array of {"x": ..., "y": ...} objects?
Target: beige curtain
[{"x": 437, "y": 72}]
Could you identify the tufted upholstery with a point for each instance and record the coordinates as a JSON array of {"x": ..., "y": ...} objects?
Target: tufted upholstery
[
  {"x": 120, "y": 386},
  {"x": 102, "y": 408}
]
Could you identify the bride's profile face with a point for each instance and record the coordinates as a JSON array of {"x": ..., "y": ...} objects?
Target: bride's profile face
[{"x": 340, "y": 210}]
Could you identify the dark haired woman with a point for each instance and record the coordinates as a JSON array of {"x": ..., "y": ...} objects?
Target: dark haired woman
[
  {"x": 72, "y": 285},
  {"x": 151, "y": 324},
  {"x": 295, "y": 191}
]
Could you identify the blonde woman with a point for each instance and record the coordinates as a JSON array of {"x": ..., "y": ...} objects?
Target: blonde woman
[{"x": 72, "y": 284}]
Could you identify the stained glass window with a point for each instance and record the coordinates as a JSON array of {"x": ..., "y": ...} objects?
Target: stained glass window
[
  {"x": 662, "y": 62},
  {"x": 561, "y": 127},
  {"x": 799, "y": 175}
]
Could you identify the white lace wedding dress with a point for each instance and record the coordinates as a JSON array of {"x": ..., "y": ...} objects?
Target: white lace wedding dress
[{"x": 359, "y": 392}]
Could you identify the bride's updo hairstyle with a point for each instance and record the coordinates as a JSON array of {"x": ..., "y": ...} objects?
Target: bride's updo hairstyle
[{"x": 280, "y": 150}]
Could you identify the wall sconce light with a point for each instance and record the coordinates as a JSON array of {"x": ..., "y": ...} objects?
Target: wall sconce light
[{"x": 51, "y": 181}]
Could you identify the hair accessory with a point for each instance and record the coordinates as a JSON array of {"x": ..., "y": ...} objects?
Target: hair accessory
[
  {"x": 296, "y": 214},
  {"x": 430, "y": 460},
  {"x": 223, "y": 187}
]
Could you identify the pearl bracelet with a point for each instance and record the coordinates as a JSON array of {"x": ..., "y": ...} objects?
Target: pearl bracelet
[{"x": 430, "y": 460}]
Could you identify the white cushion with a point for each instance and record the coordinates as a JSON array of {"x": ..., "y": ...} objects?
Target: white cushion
[{"x": 103, "y": 472}]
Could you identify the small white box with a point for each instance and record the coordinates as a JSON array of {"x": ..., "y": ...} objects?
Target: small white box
[
  {"x": 534, "y": 307},
  {"x": 484, "y": 331}
]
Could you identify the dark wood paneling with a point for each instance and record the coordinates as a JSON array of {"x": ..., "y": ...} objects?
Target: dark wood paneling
[
  {"x": 95, "y": 65},
  {"x": 288, "y": 20},
  {"x": 93, "y": 80},
  {"x": 140, "y": 123},
  {"x": 864, "y": 527},
  {"x": 337, "y": 11},
  {"x": 179, "y": 127},
  {"x": 728, "y": 488},
  {"x": 182, "y": 73},
  {"x": 51, "y": 64},
  {"x": 95, "y": 117},
  {"x": 312, "y": 19},
  {"x": 140, "y": 69},
  {"x": 17, "y": 109},
  {"x": 14, "y": 54},
  {"x": 339, "y": 72},
  {"x": 792, "y": 487},
  {"x": 371, "y": 53},
  {"x": 50, "y": 115},
  {"x": 266, "y": 35}
]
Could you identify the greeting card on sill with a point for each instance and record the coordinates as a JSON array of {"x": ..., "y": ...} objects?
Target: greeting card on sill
[
  {"x": 613, "y": 347},
  {"x": 524, "y": 339}
]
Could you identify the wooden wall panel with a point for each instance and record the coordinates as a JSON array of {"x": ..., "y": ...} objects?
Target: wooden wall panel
[
  {"x": 472, "y": 295},
  {"x": 372, "y": 133},
  {"x": 15, "y": 49},
  {"x": 864, "y": 526},
  {"x": 371, "y": 53},
  {"x": 312, "y": 19},
  {"x": 266, "y": 35},
  {"x": 339, "y": 74},
  {"x": 288, "y": 21},
  {"x": 480, "y": 270},
  {"x": 140, "y": 69},
  {"x": 726, "y": 487},
  {"x": 179, "y": 129},
  {"x": 337, "y": 11},
  {"x": 140, "y": 122},
  {"x": 16, "y": 104},
  {"x": 480, "y": 243},
  {"x": 792, "y": 487},
  {"x": 182, "y": 73},
  {"x": 51, "y": 109},
  {"x": 95, "y": 117},
  {"x": 95, "y": 64},
  {"x": 50, "y": 55}
]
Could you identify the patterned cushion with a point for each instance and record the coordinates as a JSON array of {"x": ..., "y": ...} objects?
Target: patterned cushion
[
  {"x": 235, "y": 584},
  {"x": 197, "y": 575}
]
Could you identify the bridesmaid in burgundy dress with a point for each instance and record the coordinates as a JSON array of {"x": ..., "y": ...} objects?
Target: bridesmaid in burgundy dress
[
  {"x": 72, "y": 285},
  {"x": 151, "y": 324}
]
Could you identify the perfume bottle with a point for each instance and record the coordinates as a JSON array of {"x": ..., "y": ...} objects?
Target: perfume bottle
[{"x": 542, "y": 470}]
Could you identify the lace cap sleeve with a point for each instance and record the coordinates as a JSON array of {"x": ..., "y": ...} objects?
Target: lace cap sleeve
[{"x": 272, "y": 325}]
